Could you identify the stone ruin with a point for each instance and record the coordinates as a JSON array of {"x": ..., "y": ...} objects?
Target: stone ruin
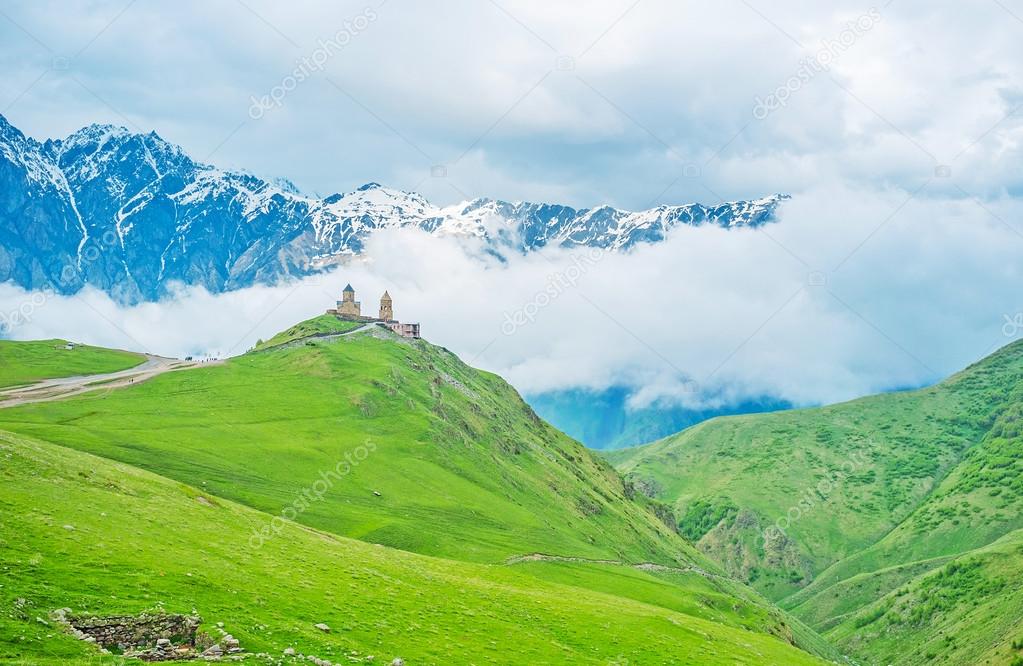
[{"x": 154, "y": 636}]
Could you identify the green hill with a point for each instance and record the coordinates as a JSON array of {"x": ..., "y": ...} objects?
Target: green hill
[
  {"x": 317, "y": 451},
  {"x": 318, "y": 326},
  {"x": 83, "y": 532},
  {"x": 27, "y": 362},
  {"x": 829, "y": 511},
  {"x": 397, "y": 441}
]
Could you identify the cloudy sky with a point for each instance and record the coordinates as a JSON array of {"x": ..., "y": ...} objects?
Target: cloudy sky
[{"x": 895, "y": 127}]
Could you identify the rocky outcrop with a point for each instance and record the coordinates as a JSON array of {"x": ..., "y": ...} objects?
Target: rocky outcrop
[{"x": 747, "y": 551}]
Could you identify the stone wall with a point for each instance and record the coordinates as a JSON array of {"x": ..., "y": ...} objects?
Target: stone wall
[{"x": 137, "y": 631}]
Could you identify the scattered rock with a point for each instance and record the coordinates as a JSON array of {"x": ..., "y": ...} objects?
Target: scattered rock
[
  {"x": 398, "y": 661},
  {"x": 60, "y": 615},
  {"x": 377, "y": 493},
  {"x": 69, "y": 528},
  {"x": 322, "y": 627},
  {"x": 213, "y": 651},
  {"x": 164, "y": 651},
  {"x": 289, "y": 652}
]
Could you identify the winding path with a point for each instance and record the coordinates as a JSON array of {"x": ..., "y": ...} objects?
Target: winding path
[
  {"x": 65, "y": 387},
  {"x": 643, "y": 566},
  {"x": 325, "y": 337}
]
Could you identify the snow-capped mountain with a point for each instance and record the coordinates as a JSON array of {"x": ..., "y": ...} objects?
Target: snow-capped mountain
[{"x": 131, "y": 214}]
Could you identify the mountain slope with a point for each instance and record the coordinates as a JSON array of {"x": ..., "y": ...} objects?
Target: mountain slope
[
  {"x": 28, "y": 362},
  {"x": 392, "y": 442},
  {"x": 132, "y": 214},
  {"x": 444, "y": 445},
  {"x": 82, "y": 532},
  {"x": 833, "y": 511},
  {"x": 968, "y": 611}
]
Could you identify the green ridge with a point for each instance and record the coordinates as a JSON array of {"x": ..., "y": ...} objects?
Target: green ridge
[
  {"x": 28, "y": 362},
  {"x": 937, "y": 476},
  {"x": 322, "y": 325}
]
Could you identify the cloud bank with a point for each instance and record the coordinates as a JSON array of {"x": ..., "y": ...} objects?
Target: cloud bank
[
  {"x": 895, "y": 263},
  {"x": 853, "y": 291}
]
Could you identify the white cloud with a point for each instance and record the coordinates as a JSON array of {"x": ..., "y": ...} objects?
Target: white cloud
[
  {"x": 654, "y": 86},
  {"x": 915, "y": 288},
  {"x": 667, "y": 84}
]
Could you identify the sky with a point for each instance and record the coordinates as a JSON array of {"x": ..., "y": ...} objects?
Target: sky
[
  {"x": 894, "y": 126},
  {"x": 624, "y": 102}
]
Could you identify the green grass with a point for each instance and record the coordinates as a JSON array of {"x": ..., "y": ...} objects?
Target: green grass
[
  {"x": 103, "y": 537},
  {"x": 462, "y": 466},
  {"x": 423, "y": 454},
  {"x": 322, "y": 325},
  {"x": 965, "y": 611},
  {"x": 880, "y": 493},
  {"x": 28, "y": 362},
  {"x": 714, "y": 599}
]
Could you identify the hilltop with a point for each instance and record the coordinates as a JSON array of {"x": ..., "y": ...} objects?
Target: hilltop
[
  {"x": 890, "y": 523},
  {"x": 354, "y": 443}
]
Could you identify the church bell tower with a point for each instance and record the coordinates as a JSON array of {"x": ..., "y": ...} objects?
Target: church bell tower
[{"x": 386, "y": 307}]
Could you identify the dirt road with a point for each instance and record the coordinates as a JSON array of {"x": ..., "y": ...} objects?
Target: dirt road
[{"x": 64, "y": 387}]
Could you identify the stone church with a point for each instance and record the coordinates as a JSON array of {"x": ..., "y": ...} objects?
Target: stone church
[{"x": 349, "y": 308}]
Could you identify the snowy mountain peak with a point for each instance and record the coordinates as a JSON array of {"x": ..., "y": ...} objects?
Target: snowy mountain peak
[
  {"x": 94, "y": 135},
  {"x": 132, "y": 213}
]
